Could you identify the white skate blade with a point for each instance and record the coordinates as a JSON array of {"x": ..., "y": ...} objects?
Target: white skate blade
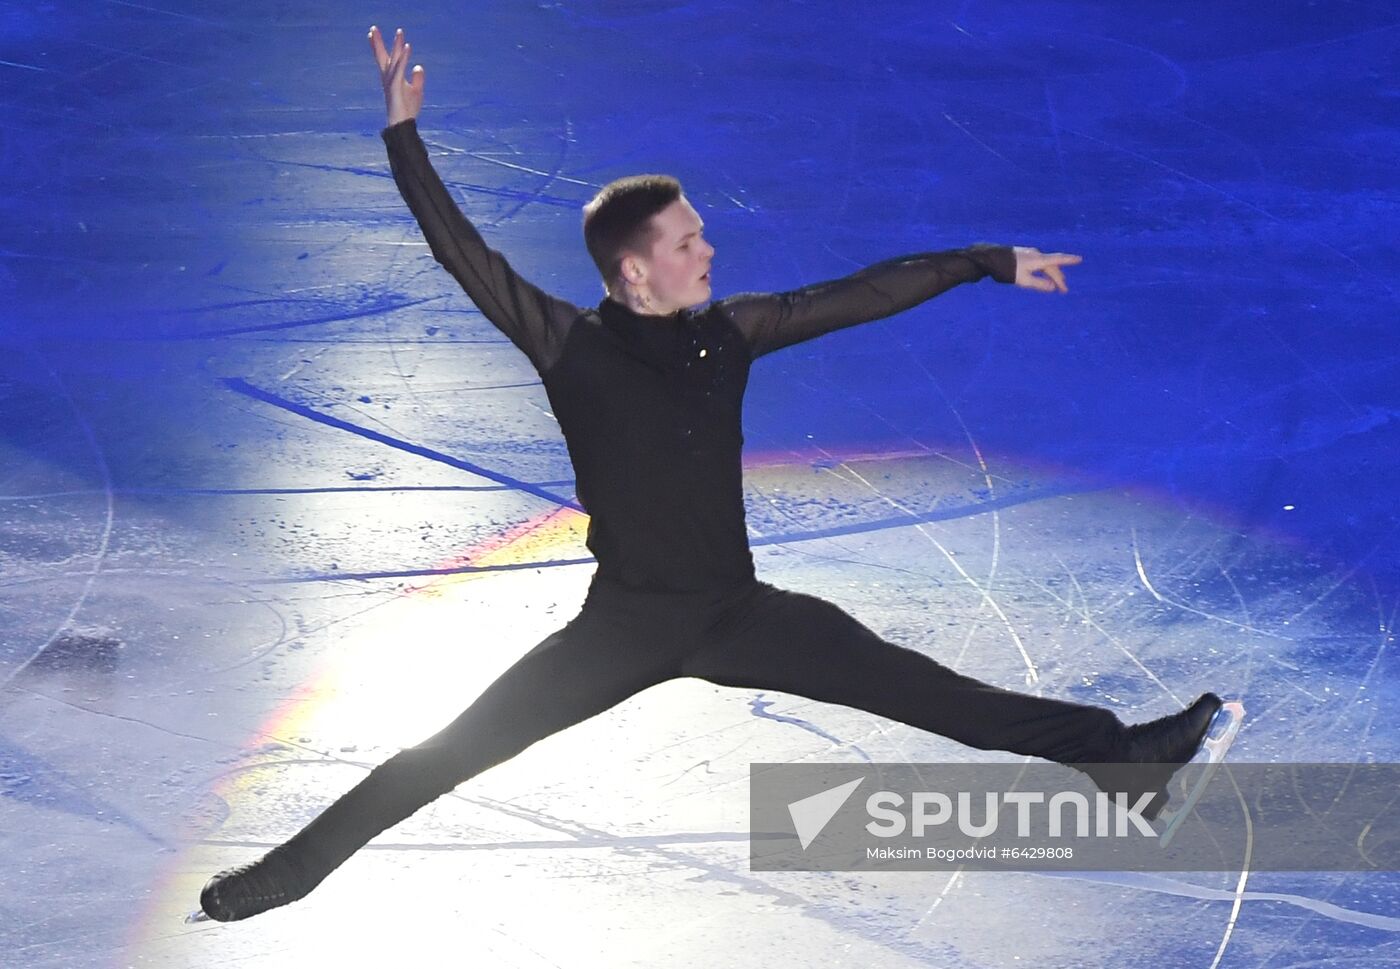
[
  {"x": 1224, "y": 726},
  {"x": 197, "y": 916}
]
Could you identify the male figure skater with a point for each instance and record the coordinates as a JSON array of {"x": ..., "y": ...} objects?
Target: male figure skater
[{"x": 647, "y": 389}]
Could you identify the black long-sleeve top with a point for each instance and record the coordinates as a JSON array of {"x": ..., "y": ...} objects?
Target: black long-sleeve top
[{"x": 650, "y": 406}]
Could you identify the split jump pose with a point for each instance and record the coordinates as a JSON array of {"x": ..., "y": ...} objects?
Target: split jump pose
[{"x": 647, "y": 389}]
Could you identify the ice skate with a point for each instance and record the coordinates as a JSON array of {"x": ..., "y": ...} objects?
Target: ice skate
[
  {"x": 1221, "y": 733},
  {"x": 251, "y": 889},
  {"x": 1151, "y": 753}
]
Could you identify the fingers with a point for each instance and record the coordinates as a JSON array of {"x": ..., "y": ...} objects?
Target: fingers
[
  {"x": 376, "y": 45},
  {"x": 1049, "y": 264},
  {"x": 1057, "y": 259},
  {"x": 396, "y": 57},
  {"x": 391, "y": 61},
  {"x": 1041, "y": 270},
  {"x": 386, "y": 58}
]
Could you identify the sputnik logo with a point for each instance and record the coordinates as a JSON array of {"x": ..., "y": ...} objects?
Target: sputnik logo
[{"x": 811, "y": 814}]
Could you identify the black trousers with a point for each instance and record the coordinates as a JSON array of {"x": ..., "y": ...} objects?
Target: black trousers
[{"x": 754, "y": 636}]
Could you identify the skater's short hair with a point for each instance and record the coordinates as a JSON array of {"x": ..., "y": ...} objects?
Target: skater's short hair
[{"x": 618, "y": 219}]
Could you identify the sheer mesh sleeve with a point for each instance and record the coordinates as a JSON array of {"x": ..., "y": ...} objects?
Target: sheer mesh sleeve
[
  {"x": 535, "y": 321},
  {"x": 770, "y": 321}
]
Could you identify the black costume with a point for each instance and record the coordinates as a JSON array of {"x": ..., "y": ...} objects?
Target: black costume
[{"x": 650, "y": 410}]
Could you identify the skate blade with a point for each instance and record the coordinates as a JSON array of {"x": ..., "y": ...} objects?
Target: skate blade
[
  {"x": 1221, "y": 733},
  {"x": 197, "y": 916}
]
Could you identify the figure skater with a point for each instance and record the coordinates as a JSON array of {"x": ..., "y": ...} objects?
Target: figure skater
[{"x": 647, "y": 388}]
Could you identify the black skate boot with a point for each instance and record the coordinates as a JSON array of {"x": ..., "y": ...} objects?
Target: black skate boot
[
  {"x": 1150, "y": 753},
  {"x": 248, "y": 890}
]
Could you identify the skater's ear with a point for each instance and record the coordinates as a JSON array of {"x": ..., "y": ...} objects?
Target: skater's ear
[{"x": 633, "y": 269}]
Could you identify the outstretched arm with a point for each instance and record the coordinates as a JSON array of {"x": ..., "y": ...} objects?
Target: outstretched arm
[
  {"x": 535, "y": 321},
  {"x": 770, "y": 321}
]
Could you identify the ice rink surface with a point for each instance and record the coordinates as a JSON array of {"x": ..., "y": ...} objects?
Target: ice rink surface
[{"x": 258, "y": 531}]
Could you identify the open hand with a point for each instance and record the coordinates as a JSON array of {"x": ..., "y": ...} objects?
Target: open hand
[
  {"x": 404, "y": 99},
  {"x": 1031, "y": 261}
]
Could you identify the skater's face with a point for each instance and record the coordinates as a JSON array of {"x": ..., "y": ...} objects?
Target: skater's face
[{"x": 675, "y": 273}]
